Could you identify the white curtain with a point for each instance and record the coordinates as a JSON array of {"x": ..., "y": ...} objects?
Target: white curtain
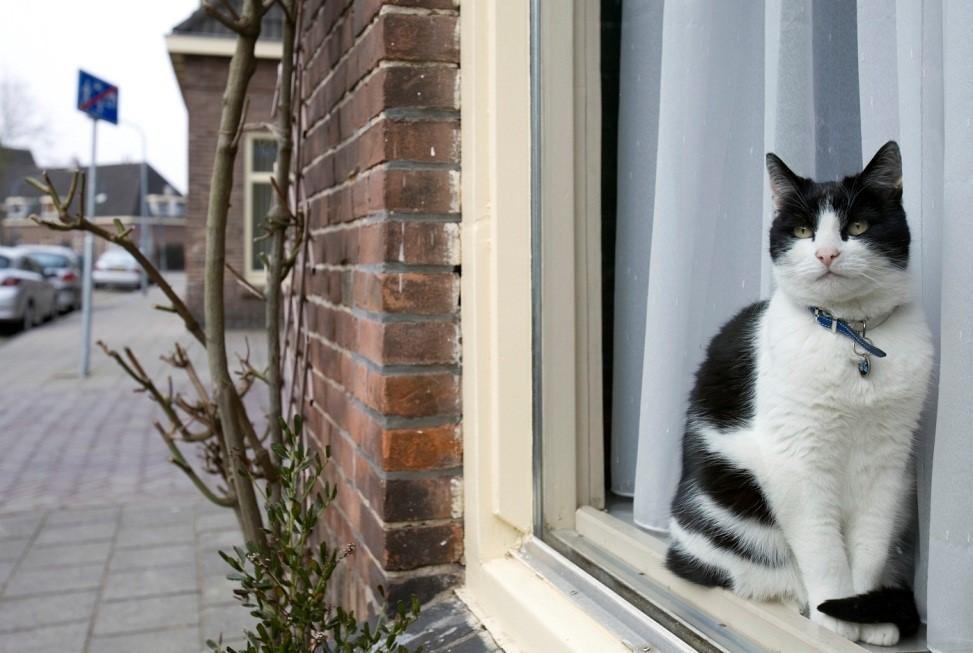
[{"x": 707, "y": 87}]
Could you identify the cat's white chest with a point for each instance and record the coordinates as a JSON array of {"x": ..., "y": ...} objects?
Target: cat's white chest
[
  {"x": 811, "y": 399},
  {"x": 801, "y": 361}
]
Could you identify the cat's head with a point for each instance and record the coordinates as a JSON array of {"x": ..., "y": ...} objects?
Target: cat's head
[{"x": 843, "y": 245}]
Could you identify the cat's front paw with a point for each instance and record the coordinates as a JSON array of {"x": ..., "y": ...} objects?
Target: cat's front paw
[
  {"x": 846, "y": 629},
  {"x": 880, "y": 634}
]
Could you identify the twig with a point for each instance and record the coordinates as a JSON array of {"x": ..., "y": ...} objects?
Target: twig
[
  {"x": 227, "y": 500},
  {"x": 249, "y": 287},
  {"x": 231, "y": 24},
  {"x": 79, "y": 222}
]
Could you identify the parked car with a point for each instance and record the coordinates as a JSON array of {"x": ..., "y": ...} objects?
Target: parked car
[
  {"x": 64, "y": 269},
  {"x": 26, "y": 296},
  {"x": 117, "y": 268}
]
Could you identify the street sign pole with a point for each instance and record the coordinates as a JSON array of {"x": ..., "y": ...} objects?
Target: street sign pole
[
  {"x": 89, "y": 255},
  {"x": 98, "y": 99}
]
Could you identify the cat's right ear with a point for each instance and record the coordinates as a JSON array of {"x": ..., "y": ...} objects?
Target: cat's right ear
[{"x": 783, "y": 181}]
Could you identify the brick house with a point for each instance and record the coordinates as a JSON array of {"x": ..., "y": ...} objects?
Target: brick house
[
  {"x": 200, "y": 50},
  {"x": 117, "y": 198}
]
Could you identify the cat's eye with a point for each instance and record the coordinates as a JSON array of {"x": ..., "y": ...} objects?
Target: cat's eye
[
  {"x": 857, "y": 228},
  {"x": 803, "y": 231}
]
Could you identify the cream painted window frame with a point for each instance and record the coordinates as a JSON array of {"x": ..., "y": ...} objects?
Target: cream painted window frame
[
  {"x": 251, "y": 177},
  {"x": 568, "y": 382}
]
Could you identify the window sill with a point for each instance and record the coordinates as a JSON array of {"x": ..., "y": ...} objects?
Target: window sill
[{"x": 632, "y": 563}]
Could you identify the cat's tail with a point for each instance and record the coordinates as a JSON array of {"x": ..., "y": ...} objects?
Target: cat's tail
[{"x": 894, "y": 605}]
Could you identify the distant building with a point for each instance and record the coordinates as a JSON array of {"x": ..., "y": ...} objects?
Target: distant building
[
  {"x": 117, "y": 197},
  {"x": 200, "y": 50}
]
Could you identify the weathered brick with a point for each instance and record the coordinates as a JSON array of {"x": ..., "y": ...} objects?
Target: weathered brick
[
  {"x": 404, "y": 343},
  {"x": 422, "y": 448},
  {"x": 422, "y": 293},
  {"x": 417, "y": 546},
  {"x": 419, "y": 395}
]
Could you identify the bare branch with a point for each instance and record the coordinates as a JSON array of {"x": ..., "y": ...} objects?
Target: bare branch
[
  {"x": 230, "y": 9},
  {"x": 249, "y": 287},
  {"x": 78, "y": 222},
  {"x": 227, "y": 500},
  {"x": 238, "y": 133},
  {"x": 229, "y": 23}
]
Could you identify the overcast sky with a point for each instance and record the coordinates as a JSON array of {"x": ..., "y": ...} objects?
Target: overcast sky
[{"x": 43, "y": 43}]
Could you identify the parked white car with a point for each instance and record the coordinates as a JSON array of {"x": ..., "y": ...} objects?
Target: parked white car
[
  {"x": 27, "y": 298},
  {"x": 116, "y": 268},
  {"x": 63, "y": 268}
]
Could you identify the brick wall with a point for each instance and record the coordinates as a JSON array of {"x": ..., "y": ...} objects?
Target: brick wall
[
  {"x": 381, "y": 164},
  {"x": 202, "y": 80}
]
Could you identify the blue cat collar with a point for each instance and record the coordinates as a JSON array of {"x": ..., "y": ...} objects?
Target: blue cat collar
[{"x": 837, "y": 325}]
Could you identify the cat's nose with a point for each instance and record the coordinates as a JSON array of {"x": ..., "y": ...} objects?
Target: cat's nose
[{"x": 827, "y": 255}]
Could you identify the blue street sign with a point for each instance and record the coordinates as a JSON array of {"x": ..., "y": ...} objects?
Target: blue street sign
[{"x": 97, "y": 98}]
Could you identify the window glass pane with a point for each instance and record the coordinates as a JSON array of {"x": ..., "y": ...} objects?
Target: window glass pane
[
  {"x": 264, "y": 154},
  {"x": 260, "y": 195}
]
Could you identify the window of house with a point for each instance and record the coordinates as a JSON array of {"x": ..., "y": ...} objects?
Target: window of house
[
  {"x": 651, "y": 124},
  {"x": 261, "y": 153},
  {"x": 48, "y": 212},
  {"x": 15, "y": 207}
]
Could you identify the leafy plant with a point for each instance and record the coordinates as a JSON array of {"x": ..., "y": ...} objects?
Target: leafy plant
[{"x": 285, "y": 584}]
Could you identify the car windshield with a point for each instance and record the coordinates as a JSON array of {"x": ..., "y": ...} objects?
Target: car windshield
[
  {"x": 48, "y": 260},
  {"x": 4, "y": 262}
]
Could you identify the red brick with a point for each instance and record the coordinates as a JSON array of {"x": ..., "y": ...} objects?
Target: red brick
[
  {"x": 422, "y": 448},
  {"x": 422, "y": 293}
]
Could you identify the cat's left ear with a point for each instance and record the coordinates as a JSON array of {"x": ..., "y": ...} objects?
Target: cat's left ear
[
  {"x": 884, "y": 171},
  {"x": 783, "y": 181}
]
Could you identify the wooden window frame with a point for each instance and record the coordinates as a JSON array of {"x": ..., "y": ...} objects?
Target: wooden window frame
[{"x": 569, "y": 451}]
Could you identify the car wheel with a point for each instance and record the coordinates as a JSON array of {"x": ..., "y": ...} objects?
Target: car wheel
[{"x": 28, "y": 320}]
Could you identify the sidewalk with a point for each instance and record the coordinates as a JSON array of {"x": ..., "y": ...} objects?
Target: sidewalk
[{"x": 104, "y": 545}]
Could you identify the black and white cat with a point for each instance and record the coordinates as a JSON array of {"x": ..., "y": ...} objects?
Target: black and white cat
[{"x": 795, "y": 474}]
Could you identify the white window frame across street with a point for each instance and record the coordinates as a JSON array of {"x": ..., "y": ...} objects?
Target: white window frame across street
[{"x": 254, "y": 275}]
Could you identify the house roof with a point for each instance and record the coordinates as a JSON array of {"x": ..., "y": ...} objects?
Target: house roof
[
  {"x": 200, "y": 23},
  {"x": 118, "y": 181},
  {"x": 15, "y": 165}
]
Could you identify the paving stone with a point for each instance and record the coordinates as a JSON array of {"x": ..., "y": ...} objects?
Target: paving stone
[
  {"x": 12, "y": 549},
  {"x": 154, "y": 535},
  {"x": 46, "y": 580},
  {"x": 154, "y": 513},
  {"x": 76, "y": 533},
  {"x": 18, "y": 526},
  {"x": 232, "y": 621},
  {"x": 82, "y": 515},
  {"x": 6, "y": 568},
  {"x": 67, "y": 554},
  {"x": 215, "y": 589},
  {"x": 217, "y": 521},
  {"x": 170, "y": 555},
  {"x": 17, "y": 614},
  {"x": 210, "y": 544},
  {"x": 177, "y": 640},
  {"x": 66, "y": 638},
  {"x": 134, "y": 615},
  {"x": 149, "y": 582}
]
